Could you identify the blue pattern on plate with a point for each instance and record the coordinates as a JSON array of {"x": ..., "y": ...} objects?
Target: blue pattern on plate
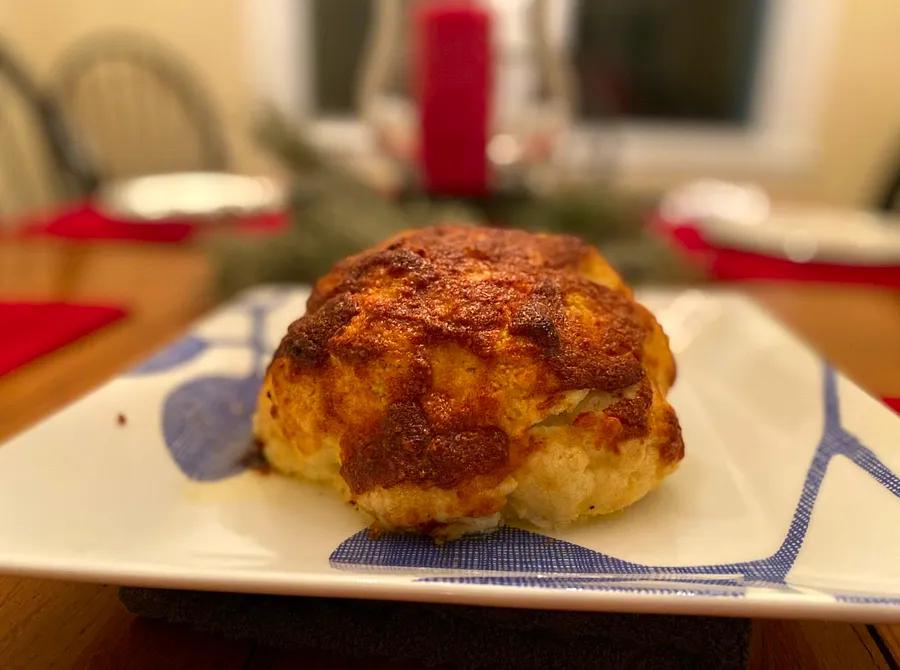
[
  {"x": 207, "y": 420},
  {"x": 172, "y": 356},
  {"x": 207, "y": 425}
]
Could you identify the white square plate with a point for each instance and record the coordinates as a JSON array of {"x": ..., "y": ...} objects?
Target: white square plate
[{"x": 787, "y": 503}]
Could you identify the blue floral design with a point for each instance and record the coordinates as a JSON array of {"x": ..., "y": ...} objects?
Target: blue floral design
[
  {"x": 182, "y": 351},
  {"x": 207, "y": 420}
]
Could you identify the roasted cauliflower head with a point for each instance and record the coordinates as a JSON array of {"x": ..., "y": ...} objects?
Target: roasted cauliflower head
[{"x": 457, "y": 375}]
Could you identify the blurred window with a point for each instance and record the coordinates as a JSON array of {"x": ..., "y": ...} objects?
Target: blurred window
[
  {"x": 661, "y": 84},
  {"x": 654, "y": 59},
  {"x": 340, "y": 29},
  {"x": 664, "y": 59}
]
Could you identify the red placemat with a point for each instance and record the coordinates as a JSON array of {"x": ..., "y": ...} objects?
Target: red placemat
[
  {"x": 32, "y": 329},
  {"x": 737, "y": 265},
  {"x": 83, "y": 221}
]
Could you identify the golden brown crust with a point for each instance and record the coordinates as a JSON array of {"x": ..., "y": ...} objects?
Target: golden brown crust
[
  {"x": 407, "y": 448},
  {"x": 520, "y": 313}
]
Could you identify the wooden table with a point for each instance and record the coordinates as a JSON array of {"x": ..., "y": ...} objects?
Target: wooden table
[{"x": 49, "y": 623}]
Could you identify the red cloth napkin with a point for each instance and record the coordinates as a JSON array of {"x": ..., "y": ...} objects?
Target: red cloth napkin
[
  {"x": 32, "y": 329},
  {"x": 893, "y": 403},
  {"x": 83, "y": 221},
  {"x": 735, "y": 265}
]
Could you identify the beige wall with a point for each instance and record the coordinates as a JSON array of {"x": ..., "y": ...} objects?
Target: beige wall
[
  {"x": 858, "y": 134},
  {"x": 860, "y": 131}
]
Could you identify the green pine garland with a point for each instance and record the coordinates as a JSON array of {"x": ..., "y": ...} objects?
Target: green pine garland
[{"x": 334, "y": 215}]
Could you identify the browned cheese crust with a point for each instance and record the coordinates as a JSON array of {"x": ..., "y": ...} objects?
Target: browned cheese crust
[{"x": 418, "y": 351}]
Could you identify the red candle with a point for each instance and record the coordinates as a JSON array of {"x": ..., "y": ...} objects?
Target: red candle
[{"x": 453, "y": 85}]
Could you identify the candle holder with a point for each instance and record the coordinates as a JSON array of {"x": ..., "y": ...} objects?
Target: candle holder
[{"x": 467, "y": 97}]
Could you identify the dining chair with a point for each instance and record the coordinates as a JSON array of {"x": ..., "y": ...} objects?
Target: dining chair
[
  {"x": 888, "y": 198},
  {"x": 40, "y": 165},
  {"x": 137, "y": 107}
]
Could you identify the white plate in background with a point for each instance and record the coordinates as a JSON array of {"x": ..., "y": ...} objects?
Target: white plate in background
[
  {"x": 195, "y": 195},
  {"x": 804, "y": 234},
  {"x": 741, "y": 216}
]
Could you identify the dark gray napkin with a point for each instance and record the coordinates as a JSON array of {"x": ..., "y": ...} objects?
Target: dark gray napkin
[{"x": 453, "y": 635}]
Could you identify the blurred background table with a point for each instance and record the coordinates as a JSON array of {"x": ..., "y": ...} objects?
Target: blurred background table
[
  {"x": 47, "y": 623},
  {"x": 164, "y": 288}
]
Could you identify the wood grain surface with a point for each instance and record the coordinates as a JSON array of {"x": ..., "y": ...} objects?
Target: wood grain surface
[{"x": 46, "y": 623}]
